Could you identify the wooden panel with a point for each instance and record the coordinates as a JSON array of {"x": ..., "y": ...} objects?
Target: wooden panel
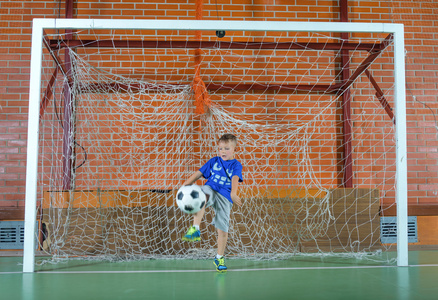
[
  {"x": 108, "y": 198},
  {"x": 121, "y": 231},
  {"x": 142, "y": 198},
  {"x": 413, "y": 210},
  {"x": 427, "y": 226},
  {"x": 282, "y": 193},
  {"x": 12, "y": 213},
  {"x": 347, "y": 221},
  {"x": 310, "y": 224},
  {"x": 355, "y": 225}
]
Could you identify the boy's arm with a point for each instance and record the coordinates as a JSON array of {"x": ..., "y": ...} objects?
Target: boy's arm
[
  {"x": 192, "y": 179},
  {"x": 234, "y": 186}
]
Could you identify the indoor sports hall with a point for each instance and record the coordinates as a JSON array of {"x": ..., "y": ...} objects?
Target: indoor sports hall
[{"x": 218, "y": 149}]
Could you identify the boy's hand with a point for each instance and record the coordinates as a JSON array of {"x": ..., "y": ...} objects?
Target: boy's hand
[{"x": 236, "y": 199}]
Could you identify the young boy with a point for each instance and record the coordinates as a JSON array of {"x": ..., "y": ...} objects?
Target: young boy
[{"x": 223, "y": 174}]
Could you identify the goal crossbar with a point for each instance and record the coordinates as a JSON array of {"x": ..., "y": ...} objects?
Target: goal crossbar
[
  {"x": 39, "y": 25},
  {"x": 132, "y": 44}
]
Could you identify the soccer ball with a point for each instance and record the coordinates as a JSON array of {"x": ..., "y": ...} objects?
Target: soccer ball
[{"x": 190, "y": 199}]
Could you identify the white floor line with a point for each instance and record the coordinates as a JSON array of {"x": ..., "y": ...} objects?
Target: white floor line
[
  {"x": 425, "y": 265},
  {"x": 207, "y": 271}
]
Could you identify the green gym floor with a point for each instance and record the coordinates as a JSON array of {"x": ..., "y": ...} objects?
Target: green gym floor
[{"x": 295, "y": 278}]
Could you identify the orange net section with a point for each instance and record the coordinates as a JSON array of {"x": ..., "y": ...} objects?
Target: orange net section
[{"x": 202, "y": 99}]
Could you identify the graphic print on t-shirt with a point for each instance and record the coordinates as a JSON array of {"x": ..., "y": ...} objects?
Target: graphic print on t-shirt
[{"x": 219, "y": 173}]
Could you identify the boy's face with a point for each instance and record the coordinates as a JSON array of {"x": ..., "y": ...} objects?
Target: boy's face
[{"x": 226, "y": 150}]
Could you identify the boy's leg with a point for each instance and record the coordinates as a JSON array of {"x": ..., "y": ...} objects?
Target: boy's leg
[
  {"x": 194, "y": 234},
  {"x": 222, "y": 238},
  {"x": 221, "y": 222},
  {"x": 219, "y": 261},
  {"x": 197, "y": 218}
]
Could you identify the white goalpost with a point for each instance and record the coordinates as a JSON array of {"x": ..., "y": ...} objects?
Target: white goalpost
[{"x": 292, "y": 181}]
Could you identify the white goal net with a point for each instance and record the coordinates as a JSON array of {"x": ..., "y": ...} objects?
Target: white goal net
[{"x": 127, "y": 115}]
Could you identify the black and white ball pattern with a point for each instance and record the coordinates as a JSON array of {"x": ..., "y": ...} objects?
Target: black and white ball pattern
[{"x": 190, "y": 199}]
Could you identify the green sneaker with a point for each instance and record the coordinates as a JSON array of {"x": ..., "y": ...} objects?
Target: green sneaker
[
  {"x": 192, "y": 235},
  {"x": 220, "y": 264}
]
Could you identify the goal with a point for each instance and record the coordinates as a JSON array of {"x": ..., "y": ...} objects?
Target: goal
[{"x": 122, "y": 112}]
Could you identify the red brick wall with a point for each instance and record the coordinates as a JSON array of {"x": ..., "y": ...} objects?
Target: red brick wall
[
  {"x": 421, "y": 29},
  {"x": 422, "y": 61},
  {"x": 15, "y": 37}
]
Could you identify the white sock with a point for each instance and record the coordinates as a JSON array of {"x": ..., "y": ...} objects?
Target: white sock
[
  {"x": 196, "y": 227},
  {"x": 219, "y": 256}
]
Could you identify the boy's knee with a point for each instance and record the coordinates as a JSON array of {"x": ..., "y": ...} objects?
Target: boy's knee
[{"x": 222, "y": 233}]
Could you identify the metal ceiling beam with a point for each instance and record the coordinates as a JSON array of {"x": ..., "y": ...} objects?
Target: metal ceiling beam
[
  {"x": 219, "y": 87},
  {"x": 346, "y": 103},
  {"x": 380, "y": 96},
  {"x": 156, "y": 44}
]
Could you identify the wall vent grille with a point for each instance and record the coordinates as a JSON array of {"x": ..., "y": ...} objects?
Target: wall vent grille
[
  {"x": 388, "y": 230},
  {"x": 12, "y": 235}
]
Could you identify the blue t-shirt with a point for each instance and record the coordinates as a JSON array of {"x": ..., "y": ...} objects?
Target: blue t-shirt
[{"x": 219, "y": 172}]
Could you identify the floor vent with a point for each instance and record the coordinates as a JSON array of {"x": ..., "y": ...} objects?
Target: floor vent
[
  {"x": 11, "y": 235},
  {"x": 388, "y": 230}
]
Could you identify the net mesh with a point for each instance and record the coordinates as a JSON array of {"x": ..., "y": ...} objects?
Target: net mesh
[{"x": 134, "y": 135}]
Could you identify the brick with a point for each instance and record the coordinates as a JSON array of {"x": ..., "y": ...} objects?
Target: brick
[
  {"x": 8, "y": 190},
  {"x": 16, "y": 196},
  {"x": 16, "y": 143},
  {"x": 4, "y": 203}
]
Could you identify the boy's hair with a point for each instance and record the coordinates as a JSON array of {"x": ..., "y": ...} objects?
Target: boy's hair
[{"x": 228, "y": 138}]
